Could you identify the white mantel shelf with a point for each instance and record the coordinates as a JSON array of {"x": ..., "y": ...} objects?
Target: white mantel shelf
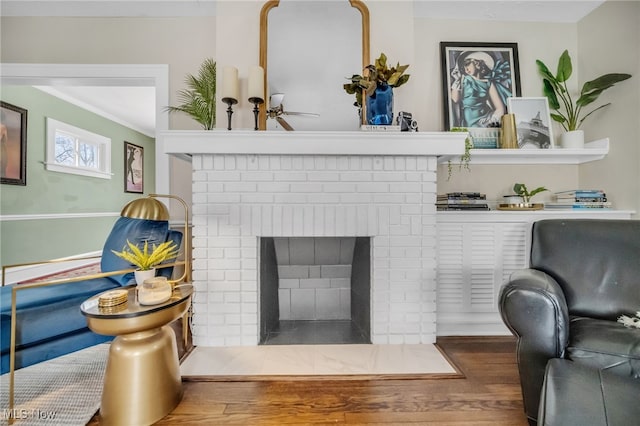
[
  {"x": 592, "y": 151},
  {"x": 181, "y": 143}
]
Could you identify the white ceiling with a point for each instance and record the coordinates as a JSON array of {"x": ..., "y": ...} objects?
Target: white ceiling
[{"x": 135, "y": 106}]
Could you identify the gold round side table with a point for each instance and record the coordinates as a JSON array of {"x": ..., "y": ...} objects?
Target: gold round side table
[{"x": 142, "y": 381}]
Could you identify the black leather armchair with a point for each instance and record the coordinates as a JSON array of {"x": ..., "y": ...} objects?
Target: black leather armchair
[{"x": 584, "y": 273}]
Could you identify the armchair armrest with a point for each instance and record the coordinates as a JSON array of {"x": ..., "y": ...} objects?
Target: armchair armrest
[{"x": 534, "y": 308}]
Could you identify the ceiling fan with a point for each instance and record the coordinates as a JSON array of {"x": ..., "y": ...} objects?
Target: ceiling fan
[{"x": 276, "y": 110}]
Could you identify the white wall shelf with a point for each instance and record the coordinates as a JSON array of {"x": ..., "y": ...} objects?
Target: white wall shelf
[{"x": 592, "y": 151}]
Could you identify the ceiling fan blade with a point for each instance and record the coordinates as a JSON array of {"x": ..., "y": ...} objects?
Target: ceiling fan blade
[
  {"x": 284, "y": 124},
  {"x": 310, "y": 114}
]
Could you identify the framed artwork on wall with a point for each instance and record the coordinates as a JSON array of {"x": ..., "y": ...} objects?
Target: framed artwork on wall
[
  {"x": 477, "y": 80},
  {"x": 13, "y": 154},
  {"x": 533, "y": 122},
  {"x": 133, "y": 168}
]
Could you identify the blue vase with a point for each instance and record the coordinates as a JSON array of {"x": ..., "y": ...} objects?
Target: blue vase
[{"x": 380, "y": 106}]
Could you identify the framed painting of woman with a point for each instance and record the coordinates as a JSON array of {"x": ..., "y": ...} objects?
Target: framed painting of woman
[
  {"x": 477, "y": 80},
  {"x": 133, "y": 168},
  {"x": 13, "y": 144}
]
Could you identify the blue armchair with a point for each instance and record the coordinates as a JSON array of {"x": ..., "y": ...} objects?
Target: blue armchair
[{"x": 42, "y": 320}]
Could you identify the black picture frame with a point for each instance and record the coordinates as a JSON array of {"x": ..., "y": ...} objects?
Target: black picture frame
[
  {"x": 13, "y": 154},
  {"x": 133, "y": 168},
  {"x": 496, "y": 70}
]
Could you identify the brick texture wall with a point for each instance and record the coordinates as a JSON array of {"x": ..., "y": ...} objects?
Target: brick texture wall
[{"x": 239, "y": 198}]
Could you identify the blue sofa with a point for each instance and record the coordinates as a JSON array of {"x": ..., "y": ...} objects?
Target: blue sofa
[{"x": 48, "y": 318}]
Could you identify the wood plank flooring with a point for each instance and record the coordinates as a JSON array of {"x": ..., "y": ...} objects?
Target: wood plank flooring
[{"x": 488, "y": 395}]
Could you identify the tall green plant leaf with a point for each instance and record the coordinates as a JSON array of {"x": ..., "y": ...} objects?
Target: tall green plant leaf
[
  {"x": 604, "y": 82},
  {"x": 546, "y": 74},
  {"x": 550, "y": 93},
  {"x": 564, "y": 67}
]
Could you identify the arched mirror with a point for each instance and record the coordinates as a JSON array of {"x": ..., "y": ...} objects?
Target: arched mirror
[{"x": 308, "y": 50}]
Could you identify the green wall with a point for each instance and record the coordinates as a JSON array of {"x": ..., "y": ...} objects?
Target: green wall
[{"x": 70, "y": 196}]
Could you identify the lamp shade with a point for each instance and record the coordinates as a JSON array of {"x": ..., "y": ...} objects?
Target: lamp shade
[{"x": 146, "y": 208}]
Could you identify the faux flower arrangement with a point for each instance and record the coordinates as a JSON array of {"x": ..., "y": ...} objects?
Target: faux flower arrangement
[
  {"x": 374, "y": 75},
  {"x": 146, "y": 260}
]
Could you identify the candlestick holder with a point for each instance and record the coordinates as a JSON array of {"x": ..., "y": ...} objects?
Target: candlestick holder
[
  {"x": 229, "y": 102},
  {"x": 256, "y": 111}
]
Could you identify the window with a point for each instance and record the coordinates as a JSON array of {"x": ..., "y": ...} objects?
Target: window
[{"x": 77, "y": 151}]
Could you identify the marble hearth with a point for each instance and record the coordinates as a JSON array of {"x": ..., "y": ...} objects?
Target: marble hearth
[{"x": 249, "y": 185}]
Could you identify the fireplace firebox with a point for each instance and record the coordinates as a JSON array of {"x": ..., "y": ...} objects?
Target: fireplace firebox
[{"x": 315, "y": 290}]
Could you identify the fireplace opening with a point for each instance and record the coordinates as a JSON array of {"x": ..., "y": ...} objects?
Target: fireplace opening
[{"x": 315, "y": 290}]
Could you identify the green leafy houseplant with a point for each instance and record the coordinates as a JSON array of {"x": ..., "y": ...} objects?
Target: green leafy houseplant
[
  {"x": 521, "y": 190},
  {"x": 555, "y": 89},
  {"x": 199, "y": 99},
  {"x": 145, "y": 259},
  {"x": 464, "y": 158},
  {"x": 378, "y": 73}
]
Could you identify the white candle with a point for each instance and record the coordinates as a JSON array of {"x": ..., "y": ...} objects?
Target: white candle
[
  {"x": 256, "y": 82},
  {"x": 230, "y": 87}
]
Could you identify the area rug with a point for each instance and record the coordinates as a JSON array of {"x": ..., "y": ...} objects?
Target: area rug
[
  {"x": 334, "y": 362},
  {"x": 62, "y": 391}
]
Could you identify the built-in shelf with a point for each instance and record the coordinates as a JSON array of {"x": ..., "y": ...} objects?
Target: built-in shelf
[{"x": 592, "y": 151}]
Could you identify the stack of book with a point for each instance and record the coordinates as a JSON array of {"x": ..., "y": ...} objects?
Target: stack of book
[
  {"x": 472, "y": 201},
  {"x": 579, "y": 199}
]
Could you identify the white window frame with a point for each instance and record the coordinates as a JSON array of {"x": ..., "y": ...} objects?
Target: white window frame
[{"x": 103, "y": 171}]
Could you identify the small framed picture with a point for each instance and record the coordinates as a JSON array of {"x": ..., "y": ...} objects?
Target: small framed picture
[
  {"x": 533, "y": 122},
  {"x": 13, "y": 157},
  {"x": 477, "y": 80},
  {"x": 133, "y": 168}
]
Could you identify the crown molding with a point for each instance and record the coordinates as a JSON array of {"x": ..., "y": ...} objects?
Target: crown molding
[{"x": 101, "y": 8}]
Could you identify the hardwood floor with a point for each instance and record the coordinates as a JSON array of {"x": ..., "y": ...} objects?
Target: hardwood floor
[{"x": 488, "y": 395}]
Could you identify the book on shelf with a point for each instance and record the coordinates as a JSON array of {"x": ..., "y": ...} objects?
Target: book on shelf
[
  {"x": 461, "y": 196},
  {"x": 450, "y": 201},
  {"x": 463, "y": 207},
  {"x": 579, "y": 205},
  {"x": 581, "y": 193}
]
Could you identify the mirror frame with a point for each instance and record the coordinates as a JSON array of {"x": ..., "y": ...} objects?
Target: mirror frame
[{"x": 264, "y": 27}]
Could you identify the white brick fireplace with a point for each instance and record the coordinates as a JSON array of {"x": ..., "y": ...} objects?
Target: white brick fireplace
[{"x": 248, "y": 185}]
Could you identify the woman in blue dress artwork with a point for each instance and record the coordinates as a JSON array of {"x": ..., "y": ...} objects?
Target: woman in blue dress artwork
[{"x": 480, "y": 90}]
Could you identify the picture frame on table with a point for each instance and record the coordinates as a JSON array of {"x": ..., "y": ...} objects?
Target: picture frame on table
[
  {"x": 477, "y": 80},
  {"x": 133, "y": 168},
  {"x": 13, "y": 154},
  {"x": 533, "y": 122}
]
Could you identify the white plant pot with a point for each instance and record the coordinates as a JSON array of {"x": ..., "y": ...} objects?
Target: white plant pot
[
  {"x": 140, "y": 276},
  {"x": 572, "y": 140}
]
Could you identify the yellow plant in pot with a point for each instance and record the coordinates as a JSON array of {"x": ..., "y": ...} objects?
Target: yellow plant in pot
[{"x": 146, "y": 260}]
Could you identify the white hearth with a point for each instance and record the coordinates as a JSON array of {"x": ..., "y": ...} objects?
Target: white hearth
[{"x": 248, "y": 185}]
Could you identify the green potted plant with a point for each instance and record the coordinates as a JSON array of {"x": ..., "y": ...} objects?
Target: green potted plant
[
  {"x": 377, "y": 82},
  {"x": 146, "y": 260},
  {"x": 465, "y": 158},
  {"x": 199, "y": 99},
  {"x": 520, "y": 189},
  {"x": 569, "y": 113}
]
